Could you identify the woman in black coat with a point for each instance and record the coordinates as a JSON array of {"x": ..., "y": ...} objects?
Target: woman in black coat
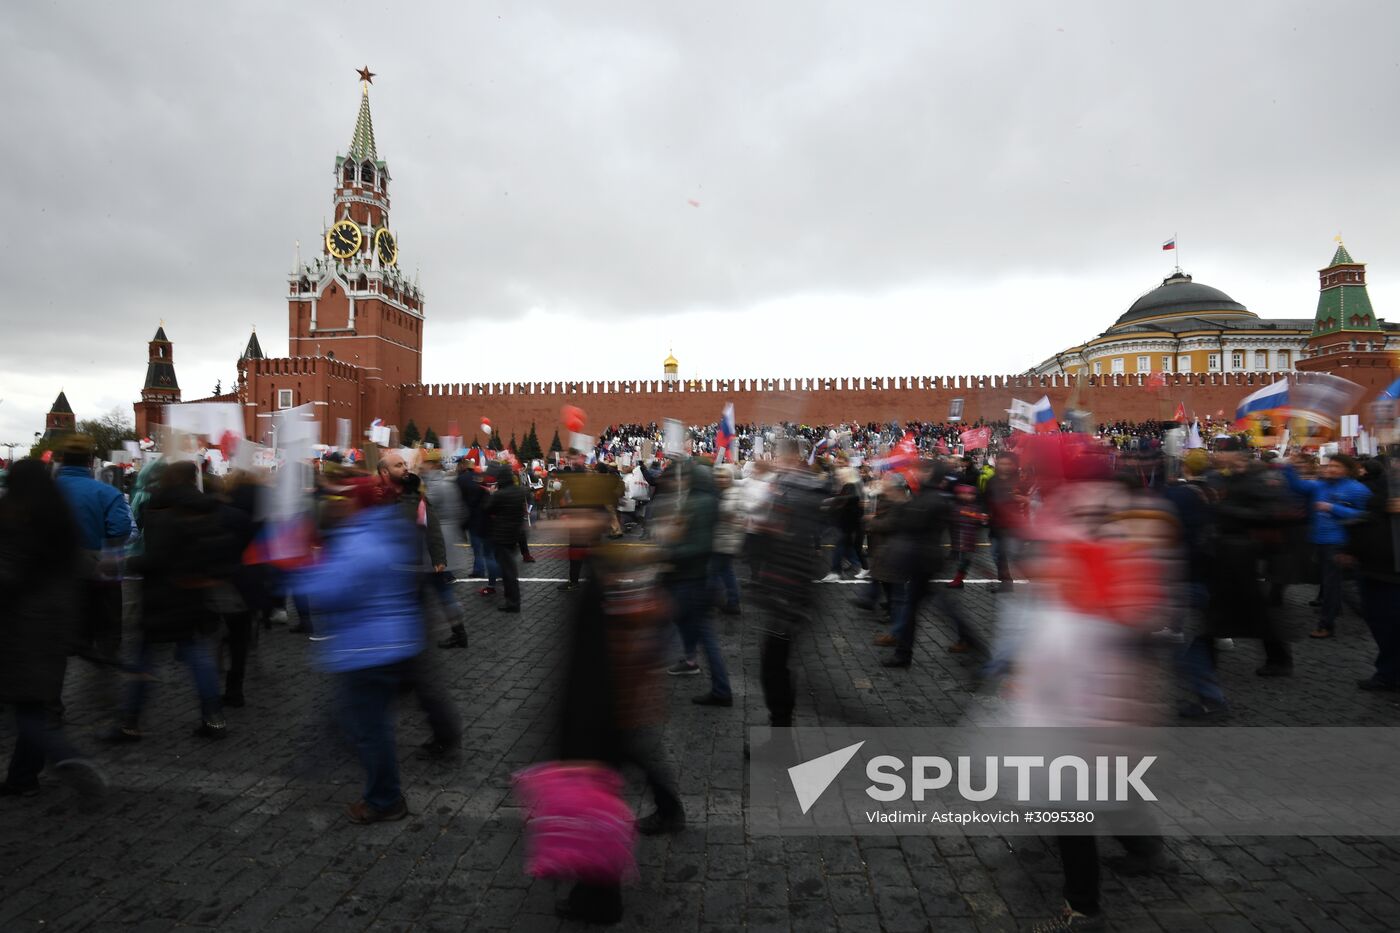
[{"x": 38, "y": 581}]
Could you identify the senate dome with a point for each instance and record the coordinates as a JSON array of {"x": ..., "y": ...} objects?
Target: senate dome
[{"x": 1179, "y": 296}]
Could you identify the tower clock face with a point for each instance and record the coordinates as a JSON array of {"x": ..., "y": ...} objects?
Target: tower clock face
[
  {"x": 344, "y": 239},
  {"x": 386, "y": 247}
]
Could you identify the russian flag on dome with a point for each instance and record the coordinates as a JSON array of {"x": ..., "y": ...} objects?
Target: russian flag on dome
[
  {"x": 1044, "y": 416},
  {"x": 724, "y": 434},
  {"x": 1170, "y": 244},
  {"x": 1268, "y": 398}
]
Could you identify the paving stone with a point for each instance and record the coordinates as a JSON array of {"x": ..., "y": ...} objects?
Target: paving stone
[{"x": 249, "y": 834}]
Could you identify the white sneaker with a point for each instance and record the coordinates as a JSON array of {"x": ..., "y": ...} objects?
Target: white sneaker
[
  {"x": 863, "y": 575},
  {"x": 1166, "y": 634},
  {"x": 831, "y": 578},
  {"x": 1224, "y": 644}
]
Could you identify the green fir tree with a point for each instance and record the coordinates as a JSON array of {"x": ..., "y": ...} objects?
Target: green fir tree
[
  {"x": 430, "y": 437},
  {"x": 410, "y": 435},
  {"x": 554, "y": 446}
]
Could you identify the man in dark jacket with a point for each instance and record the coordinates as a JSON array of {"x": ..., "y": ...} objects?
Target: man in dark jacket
[
  {"x": 1371, "y": 554},
  {"x": 690, "y": 546},
  {"x": 1253, "y": 503},
  {"x": 185, "y": 556},
  {"x": 39, "y": 561},
  {"x": 920, "y": 527},
  {"x": 478, "y": 526},
  {"x": 1006, "y": 509},
  {"x": 784, "y": 586},
  {"x": 506, "y": 508}
]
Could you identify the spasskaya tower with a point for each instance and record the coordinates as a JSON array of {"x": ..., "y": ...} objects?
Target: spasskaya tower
[{"x": 353, "y": 303}]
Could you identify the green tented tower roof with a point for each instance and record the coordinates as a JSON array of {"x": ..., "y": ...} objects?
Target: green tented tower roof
[{"x": 362, "y": 143}]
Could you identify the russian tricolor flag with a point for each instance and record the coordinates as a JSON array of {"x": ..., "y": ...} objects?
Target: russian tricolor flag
[
  {"x": 1044, "y": 416},
  {"x": 724, "y": 434},
  {"x": 1269, "y": 398}
]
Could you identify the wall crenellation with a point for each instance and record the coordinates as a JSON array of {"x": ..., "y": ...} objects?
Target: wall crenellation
[{"x": 969, "y": 383}]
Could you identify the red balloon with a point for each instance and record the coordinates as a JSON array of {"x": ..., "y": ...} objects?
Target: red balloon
[{"x": 573, "y": 418}]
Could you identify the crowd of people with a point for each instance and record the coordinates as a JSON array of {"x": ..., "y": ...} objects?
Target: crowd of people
[
  {"x": 630, "y": 441},
  {"x": 1125, "y": 548}
]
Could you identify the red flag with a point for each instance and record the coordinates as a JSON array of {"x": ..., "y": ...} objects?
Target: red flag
[
  {"x": 1180, "y": 416},
  {"x": 976, "y": 438},
  {"x": 1157, "y": 381}
]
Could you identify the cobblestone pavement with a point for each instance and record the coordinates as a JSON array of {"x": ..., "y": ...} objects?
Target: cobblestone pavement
[{"x": 249, "y": 833}]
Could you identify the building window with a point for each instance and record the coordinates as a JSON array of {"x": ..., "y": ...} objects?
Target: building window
[
  {"x": 1098, "y": 367},
  {"x": 1213, "y": 362},
  {"x": 1183, "y": 364},
  {"x": 1166, "y": 364},
  {"x": 1237, "y": 359},
  {"x": 1117, "y": 364},
  {"x": 1284, "y": 360},
  {"x": 955, "y": 410},
  {"x": 1261, "y": 359},
  {"x": 367, "y": 173},
  {"x": 1144, "y": 364},
  {"x": 284, "y": 398}
]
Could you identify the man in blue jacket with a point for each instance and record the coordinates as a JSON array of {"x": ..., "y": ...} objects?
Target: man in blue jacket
[
  {"x": 1335, "y": 500},
  {"x": 104, "y": 524}
]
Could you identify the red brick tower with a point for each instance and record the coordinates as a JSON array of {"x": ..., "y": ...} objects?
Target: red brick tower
[
  {"x": 354, "y": 303},
  {"x": 60, "y": 419}
]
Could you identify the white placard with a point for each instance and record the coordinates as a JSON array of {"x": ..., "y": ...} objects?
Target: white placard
[{"x": 673, "y": 437}]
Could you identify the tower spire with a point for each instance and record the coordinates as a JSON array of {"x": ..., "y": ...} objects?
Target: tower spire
[{"x": 362, "y": 142}]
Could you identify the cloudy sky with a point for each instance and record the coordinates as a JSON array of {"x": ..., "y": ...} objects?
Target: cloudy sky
[{"x": 921, "y": 187}]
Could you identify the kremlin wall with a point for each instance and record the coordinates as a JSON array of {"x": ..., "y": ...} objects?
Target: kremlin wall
[{"x": 513, "y": 407}]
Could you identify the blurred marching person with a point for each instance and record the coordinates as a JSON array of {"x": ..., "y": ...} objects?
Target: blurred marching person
[
  {"x": 729, "y": 536},
  {"x": 234, "y": 600},
  {"x": 506, "y": 508},
  {"x": 920, "y": 528},
  {"x": 784, "y": 587},
  {"x": 419, "y": 509},
  {"x": 1370, "y": 554},
  {"x": 888, "y": 574},
  {"x": 1252, "y": 503},
  {"x": 186, "y": 554},
  {"x": 1336, "y": 499},
  {"x": 1006, "y": 503},
  {"x": 41, "y": 566},
  {"x": 966, "y": 521},
  {"x": 689, "y": 545},
  {"x": 1104, "y": 565},
  {"x": 755, "y": 493},
  {"x": 403, "y": 489},
  {"x": 639, "y": 491},
  {"x": 366, "y": 589},
  {"x": 846, "y": 511},
  {"x": 472, "y": 486},
  {"x": 104, "y": 524},
  {"x": 1194, "y": 504},
  {"x": 611, "y": 707}
]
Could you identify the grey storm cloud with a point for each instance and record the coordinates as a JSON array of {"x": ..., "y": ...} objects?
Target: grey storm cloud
[{"x": 163, "y": 158}]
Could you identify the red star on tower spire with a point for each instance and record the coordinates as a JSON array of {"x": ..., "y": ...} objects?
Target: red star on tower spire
[{"x": 366, "y": 75}]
